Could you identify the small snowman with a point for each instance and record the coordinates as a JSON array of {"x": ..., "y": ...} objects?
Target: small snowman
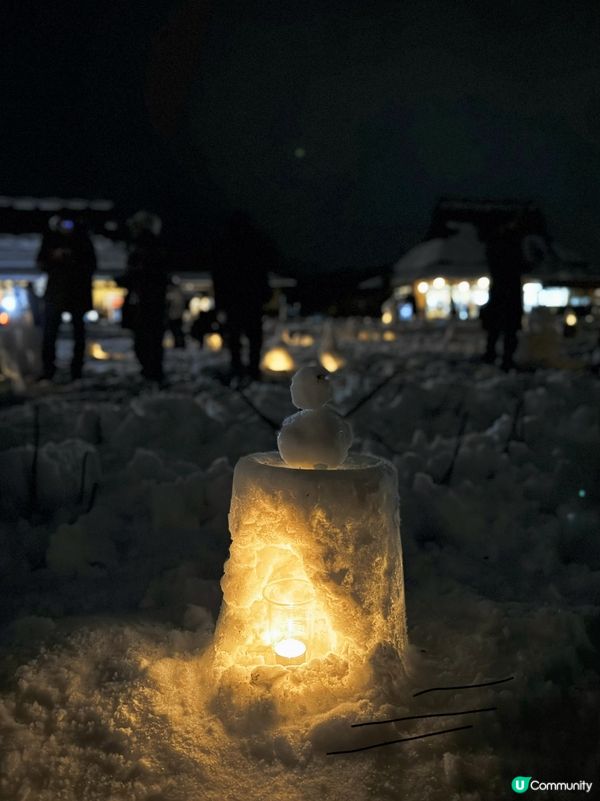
[{"x": 314, "y": 437}]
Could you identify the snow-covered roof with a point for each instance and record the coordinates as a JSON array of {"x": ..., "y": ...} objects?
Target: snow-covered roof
[
  {"x": 462, "y": 255},
  {"x": 18, "y": 254},
  {"x": 54, "y": 203},
  {"x": 455, "y": 256}
]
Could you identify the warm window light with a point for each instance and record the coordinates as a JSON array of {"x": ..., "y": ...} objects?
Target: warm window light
[
  {"x": 463, "y": 286},
  {"x": 278, "y": 360},
  {"x": 290, "y": 609},
  {"x": 387, "y": 317},
  {"x": 439, "y": 283},
  {"x": 197, "y": 304},
  {"x": 9, "y": 302},
  {"x": 483, "y": 282},
  {"x": 213, "y": 341},
  {"x": 422, "y": 287}
]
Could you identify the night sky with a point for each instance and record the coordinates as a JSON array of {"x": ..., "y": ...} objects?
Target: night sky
[{"x": 336, "y": 125}]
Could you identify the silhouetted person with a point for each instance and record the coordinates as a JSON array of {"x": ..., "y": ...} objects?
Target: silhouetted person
[
  {"x": 503, "y": 312},
  {"x": 146, "y": 280},
  {"x": 205, "y": 323},
  {"x": 242, "y": 258},
  {"x": 36, "y": 305},
  {"x": 175, "y": 309},
  {"x": 67, "y": 255}
]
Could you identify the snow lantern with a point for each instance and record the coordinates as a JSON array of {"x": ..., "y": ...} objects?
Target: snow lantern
[
  {"x": 213, "y": 341},
  {"x": 278, "y": 360},
  {"x": 313, "y": 607},
  {"x": 331, "y": 361}
]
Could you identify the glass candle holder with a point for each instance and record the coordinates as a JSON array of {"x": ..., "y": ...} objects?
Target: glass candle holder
[{"x": 290, "y": 605}]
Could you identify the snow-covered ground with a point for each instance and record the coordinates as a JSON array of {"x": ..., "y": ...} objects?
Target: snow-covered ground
[{"x": 114, "y": 531}]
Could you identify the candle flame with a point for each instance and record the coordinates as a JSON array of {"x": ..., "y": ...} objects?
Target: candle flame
[{"x": 290, "y": 648}]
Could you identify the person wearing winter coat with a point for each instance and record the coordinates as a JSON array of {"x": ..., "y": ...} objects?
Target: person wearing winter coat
[
  {"x": 504, "y": 310},
  {"x": 67, "y": 256},
  {"x": 176, "y": 306},
  {"x": 144, "y": 309},
  {"x": 242, "y": 258}
]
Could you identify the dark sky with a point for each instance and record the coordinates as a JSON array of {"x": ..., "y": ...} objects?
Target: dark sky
[{"x": 337, "y": 125}]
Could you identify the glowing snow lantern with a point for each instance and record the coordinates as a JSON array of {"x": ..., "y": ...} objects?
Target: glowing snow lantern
[
  {"x": 313, "y": 594},
  {"x": 387, "y": 318},
  {"x": 98, "y": 352},
  {"x": 298, "y": 338},
  {"x": 278, "y": 360},
  {"x": 439, "y": 283},
  {"x": 422, "y": 287},
  {"x": 331, "y": 361},
  {"x": 571, "y": 319},
  {"x": 214, "y": 341},
  {"x": 389, "y": 336}
]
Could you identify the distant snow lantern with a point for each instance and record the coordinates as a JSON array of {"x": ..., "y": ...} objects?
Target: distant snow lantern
[
  {"x": 278, "y": 360},
  {"x": 214, "y": 341},
  {"x": 331, "y": 361}
]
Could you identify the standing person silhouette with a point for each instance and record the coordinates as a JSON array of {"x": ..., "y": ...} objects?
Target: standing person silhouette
[
  {"x": 67, "y": 256},
  {"x": 176, "y": 306},
  {"x": 242, "y": 259},
  {"x": 503, "y": 312},
  {"x": 146, "y": 279}
]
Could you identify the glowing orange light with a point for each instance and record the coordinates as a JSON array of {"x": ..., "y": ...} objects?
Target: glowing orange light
[
  {"x": 278, "y": 360},
  {"x": 290, "y": 648},
  {"x": 4, "y": 318},
  {"x": 213, "y": 341},
  {"x": 331, "y": 361}
]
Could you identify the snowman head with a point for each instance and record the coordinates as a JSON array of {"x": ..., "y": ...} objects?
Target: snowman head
[{"x": 310, "y": 387}]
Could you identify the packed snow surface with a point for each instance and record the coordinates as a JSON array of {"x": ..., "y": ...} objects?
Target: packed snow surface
[{"x": 114, "y": 533}]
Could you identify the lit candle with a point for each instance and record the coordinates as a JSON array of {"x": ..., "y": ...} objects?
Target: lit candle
[
  {"x": 290, "y": 608},
  {"x": 290, "y": 648}
]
